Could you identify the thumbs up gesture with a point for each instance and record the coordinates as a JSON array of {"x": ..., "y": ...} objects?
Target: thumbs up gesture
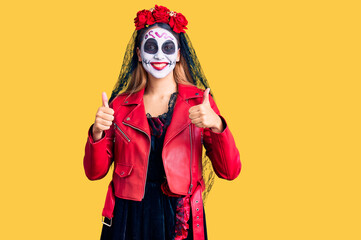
[
  {"x": 203, "y": 116},
  {"x": 103, "y": 118}
]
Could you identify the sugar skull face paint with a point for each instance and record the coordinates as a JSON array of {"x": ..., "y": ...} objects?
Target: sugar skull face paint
[{"x": 159, "y": 52}]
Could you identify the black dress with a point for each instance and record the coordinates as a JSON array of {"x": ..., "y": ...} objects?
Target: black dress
[{"x": 153, "y": 218}]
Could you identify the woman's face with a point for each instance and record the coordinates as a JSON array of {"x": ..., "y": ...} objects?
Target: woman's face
[{"x": 159, "y": 52}]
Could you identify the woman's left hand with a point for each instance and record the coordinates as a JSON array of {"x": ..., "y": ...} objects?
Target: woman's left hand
[{"x": 203, "y": 116}]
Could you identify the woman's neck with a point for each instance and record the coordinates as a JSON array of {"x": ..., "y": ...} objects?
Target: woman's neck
[{"x": 161, "y": 87}]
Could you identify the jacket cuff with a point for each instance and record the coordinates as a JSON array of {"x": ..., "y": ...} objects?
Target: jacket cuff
[
  {"x": 225, "y": 127},
  {"x": 95, "y": 157},
  {"x": 90, "y": 136}
]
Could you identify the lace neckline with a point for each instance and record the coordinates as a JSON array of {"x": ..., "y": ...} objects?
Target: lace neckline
[{"x": 170, "y": 106}]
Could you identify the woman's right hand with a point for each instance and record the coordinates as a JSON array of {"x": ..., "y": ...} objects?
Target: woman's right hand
[{"x": 103, "y": 118}]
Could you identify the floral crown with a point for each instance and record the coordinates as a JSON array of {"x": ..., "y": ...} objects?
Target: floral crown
[{"x": 145, "y": 18}]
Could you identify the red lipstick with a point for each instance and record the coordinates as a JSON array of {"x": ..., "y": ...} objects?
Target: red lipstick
[{"x": 159, "y": 65}]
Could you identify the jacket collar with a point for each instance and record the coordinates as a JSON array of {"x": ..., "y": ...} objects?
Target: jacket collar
[{"x": 136, "y": 117}]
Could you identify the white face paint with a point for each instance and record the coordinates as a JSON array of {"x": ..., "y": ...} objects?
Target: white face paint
[{"x": 159, "y": 52}]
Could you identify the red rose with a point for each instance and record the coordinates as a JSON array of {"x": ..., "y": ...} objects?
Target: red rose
[
  {"x": 178, "y": 22},
  {"x": 143, "y": 18},
  {"x": 161, "y": 14}
]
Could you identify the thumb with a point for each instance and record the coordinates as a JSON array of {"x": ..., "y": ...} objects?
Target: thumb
[
  {"x": 206, "y": 97},
  {"x": 105, "y": 99}
]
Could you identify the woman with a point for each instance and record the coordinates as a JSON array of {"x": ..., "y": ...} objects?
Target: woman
[{"x": 154, "y": 132}]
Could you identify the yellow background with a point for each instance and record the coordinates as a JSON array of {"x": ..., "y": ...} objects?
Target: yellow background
[{"x": 285, "y": 74}]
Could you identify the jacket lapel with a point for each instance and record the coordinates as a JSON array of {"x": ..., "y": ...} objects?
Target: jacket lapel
[
  {"x": 180, "y": 119},
  {"x": 136, "y": 116}
]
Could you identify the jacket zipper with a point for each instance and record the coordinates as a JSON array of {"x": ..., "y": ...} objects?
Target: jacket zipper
[
  {"x": 190, "y": 167},
  {"x": 146, "y": 174},
  {"x": 122, "y": 132}
]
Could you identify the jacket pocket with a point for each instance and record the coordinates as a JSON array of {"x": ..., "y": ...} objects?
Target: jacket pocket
[
  {"x": 121, "y": 133},
  {"x": 123, "y": 170}
]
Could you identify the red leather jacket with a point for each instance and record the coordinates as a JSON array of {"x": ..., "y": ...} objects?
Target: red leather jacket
[{"x": 128, "y": 141}]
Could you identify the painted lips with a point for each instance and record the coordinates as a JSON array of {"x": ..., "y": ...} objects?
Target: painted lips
[{"x": 159, "y": 65}]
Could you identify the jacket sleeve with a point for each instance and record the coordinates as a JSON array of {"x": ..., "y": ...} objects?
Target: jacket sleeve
[
  {"x": 221, "y": 149},
  {"x": 98, "y": 154}
]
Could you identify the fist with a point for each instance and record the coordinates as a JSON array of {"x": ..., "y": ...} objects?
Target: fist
[
  {"x": 103, "y": 118},
  {"x": 203, "y": 116}
]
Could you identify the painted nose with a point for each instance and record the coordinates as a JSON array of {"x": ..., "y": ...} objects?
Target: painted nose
[{"x": 159, "y": 55}]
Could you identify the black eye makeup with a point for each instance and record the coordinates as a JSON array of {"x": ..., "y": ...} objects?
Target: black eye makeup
[
  {"x": 151, "y": 46},
  {"x": 168, "y": 47}
]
